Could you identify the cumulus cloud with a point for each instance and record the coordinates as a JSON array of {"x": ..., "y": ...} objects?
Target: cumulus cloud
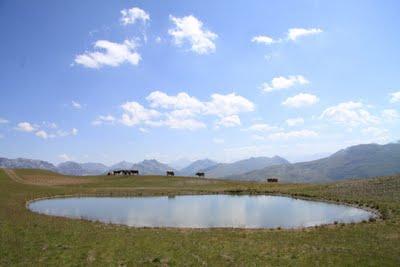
[
  {"x": 65, "y": 157},
  {"x": 300, "y": 100},
  {"x": 190, "y": 29},
  {"x": 26, "y": 127},
  {"x": 42, "y": 134},
  {"x": 109, "y": 54},
  {"x": 395, "y": 97},
  {"x": 350, "y": 113},
  {"x": 229, "y": 104},
  {"x": 134, "y": 114},
  {"x": 108, "y": 119},
  {"x": 294, "y": 121},
  {"x": 263, "y": 39},
  {"x": 183, "y": 123},
  {"x": 295, "y": 33},
  {"x": 180, "y": 101},
  {"x": 281, "y": 82},
  {"x": 3, "y": 121},
  {"x": 45, "y": 134},
  {"x": 390, "y": 114},
  {"x": 261, "y": 127},
  {"x": 182, "y": 111},
  {"x": 226, "y": 107},
  {"x": 229, "y": 121},
  {"x": 76, "y": 104},
  {"x": 292, "y": 134},
  {"x": 130, "y": 16},
  {"x": 218, "y": 140},
  {"x": 378, "y": 134}
]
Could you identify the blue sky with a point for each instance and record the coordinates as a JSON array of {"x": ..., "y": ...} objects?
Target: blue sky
[{"x": 105, "y": 81}]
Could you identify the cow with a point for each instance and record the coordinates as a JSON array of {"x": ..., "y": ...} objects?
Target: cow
[
  {"x": 200, "y": 174},
  {"x": 272, "y": 180},
  {"x": 134, "y": 172},
  {"x": 170, "y": 173}
]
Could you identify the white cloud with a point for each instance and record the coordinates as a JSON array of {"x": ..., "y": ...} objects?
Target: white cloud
[
  {"x": 301, "y": 100},
  {"x": 294, "y": 121},
  {"x": 25, "y": 127},
  {"x": 229, "y": 104},
  {"x": 65, "y": 157},
  {"x": 130, "y": 16},
  {"x": 350, "y": 113},
  {"x": 143, "y": 130},
  {"x": 190, "y": 29},
  {"x": 110, "y": 54},
  {"x": 295, "y": 33},
  {"x": 28, "y": 127},
  {"x": 395, "y": 97},
  {"x": 281, "y": 82},
  {"x": 263, "y": 39},
  {"x": 390, "y": 114},
  {"x": 261, "y": 127},
  {"x": 74, "y": 131},
  {"x": 292, "y": 134},
  {"x": 134, "y": 114},
  {"x": 229, "y": 121},
  {"x": 42, "y": 134},
  {"x": 183, "y": 124},
  {"x": 76, "y": 105},
  {"x": 218, "y": 140},
  {"x": 379, "y": 134},
  {"x": 226, "y": 107},
  {"x": 108, "y": 119},
  {"x": 180, "y": 101},
  {"x": 2, "y": 120}
]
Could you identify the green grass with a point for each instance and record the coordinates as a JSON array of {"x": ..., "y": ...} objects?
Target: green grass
[{"x": 28, "y": 239}]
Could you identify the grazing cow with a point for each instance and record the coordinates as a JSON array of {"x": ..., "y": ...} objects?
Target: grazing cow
[
  {"x": 272, "y": 180},
  {"x": 110, "y": 173},
  {"x": 200, "y": 174},
  {"x": 135, "y": 172},
  {"x": 170, "y": 173}
]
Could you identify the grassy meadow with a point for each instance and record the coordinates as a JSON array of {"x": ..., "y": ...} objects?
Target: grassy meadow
[{"x": 28, "y": 239}]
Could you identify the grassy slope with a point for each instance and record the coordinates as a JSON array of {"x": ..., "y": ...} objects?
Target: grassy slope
[{"x": 27, "y": 238}]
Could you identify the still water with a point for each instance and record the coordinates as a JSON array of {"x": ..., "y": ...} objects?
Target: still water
[{"x": 202, "y": 211}]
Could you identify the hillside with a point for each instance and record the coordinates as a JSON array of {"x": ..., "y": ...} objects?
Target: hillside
[
  {"x": 197, "y": 166},
  {"x": 240, "y": 167},
  {"x": 151, "y": 167},
  {"x": 361, "y": 161},
  {"x": 22, "y": 163}
]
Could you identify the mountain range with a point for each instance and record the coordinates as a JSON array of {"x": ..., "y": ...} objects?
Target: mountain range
[
  {"x": 359, "y": 161},
  {"x": 223, "y": 170}
]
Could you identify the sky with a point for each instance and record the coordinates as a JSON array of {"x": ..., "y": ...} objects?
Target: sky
[{"x": 105, "y": 81}]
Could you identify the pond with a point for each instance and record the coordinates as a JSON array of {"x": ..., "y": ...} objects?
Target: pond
[{"x": 202, "y": 211}]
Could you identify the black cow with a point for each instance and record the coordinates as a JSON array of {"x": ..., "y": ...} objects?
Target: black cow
[
  {"x": 200, "y": 174},
  {"x": 170, "y": 173},
  {"x": 272, "y": 180},
  {"x": 134, "y": 172}
]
